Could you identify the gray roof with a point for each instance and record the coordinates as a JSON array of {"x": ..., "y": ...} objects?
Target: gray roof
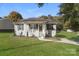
[
  {"x": 30, "y": 19},
  {"x": 38, "y": 20}
]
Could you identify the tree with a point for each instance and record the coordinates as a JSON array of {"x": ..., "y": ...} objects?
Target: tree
[
  {"x": 40, "y": 4},
  {"x": 44, "y": 17},
  {"x": 50, "y": 17},
  {"x": 70, "y": 13},
  {"x": 5, "y": 17},
  {"x": 15, "y": 16}
]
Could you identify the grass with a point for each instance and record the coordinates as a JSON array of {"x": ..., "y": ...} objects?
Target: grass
[
  {"x": 22, "y": 46},
  {"x": 68, "y": 35}
]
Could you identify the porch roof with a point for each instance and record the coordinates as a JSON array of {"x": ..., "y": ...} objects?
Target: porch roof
[{"x": 37, "y": 21}]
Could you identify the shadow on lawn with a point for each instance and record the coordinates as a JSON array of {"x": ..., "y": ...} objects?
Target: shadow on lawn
[
  {"x": 61, "y": 36},
  {"x": 76, "y": 39},
  {"x": 22, "y": 46}
]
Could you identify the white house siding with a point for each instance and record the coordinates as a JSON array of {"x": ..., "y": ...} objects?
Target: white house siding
[
  {"x": 33, "y": 32},
  {"x": 30, "y": 32},
  {"x": 16, "y": 30},
  {"x": 36, "y": 33},
  {"x": 24, "y": 30}
]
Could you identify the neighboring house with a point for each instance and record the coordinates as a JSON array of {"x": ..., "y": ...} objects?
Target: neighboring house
[
  {"x": 6, "y": 25},
  {"x": 37, "y": 27}
]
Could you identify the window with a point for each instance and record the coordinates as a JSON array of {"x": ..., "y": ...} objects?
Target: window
[
  {"x": 20, "y": 26},
  {"x": 40, "y": 27},
  {"x": 36, "y": 26},
  {"x": 31, "y": 26},
  {"x": 49, "y": 26}
]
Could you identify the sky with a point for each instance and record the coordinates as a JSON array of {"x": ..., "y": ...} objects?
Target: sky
[{"x": 28, "y": 10}]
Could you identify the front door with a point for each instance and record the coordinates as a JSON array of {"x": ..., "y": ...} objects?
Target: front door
[{"x": 49, "y": 28}]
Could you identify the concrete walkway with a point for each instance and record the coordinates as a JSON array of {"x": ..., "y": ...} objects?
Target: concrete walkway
[{"x": 62, "y": 40}]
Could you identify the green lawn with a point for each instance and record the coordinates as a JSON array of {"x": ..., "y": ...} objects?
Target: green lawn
[
  {"x": 68, "y": 35},
  {"x": 23, "y": 46}
]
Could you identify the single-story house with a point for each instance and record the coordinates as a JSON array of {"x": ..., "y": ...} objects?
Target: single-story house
[
  {"x": 6, "y": 25},
  {"x": 37, "y": 27}
]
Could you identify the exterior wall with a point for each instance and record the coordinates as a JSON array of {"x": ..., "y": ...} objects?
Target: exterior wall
[
  {"x": 33, "y": 32},
  {"x": 30, "y": 34},
  {"x": 36, "y": 33},
  {"x": 16, "y": 30},
  {"x": 26, "y": 29},
  {"x": 24, "y": 32}
]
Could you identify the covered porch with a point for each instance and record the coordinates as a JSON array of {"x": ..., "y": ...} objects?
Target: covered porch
[{"x": 42, "y": 30}]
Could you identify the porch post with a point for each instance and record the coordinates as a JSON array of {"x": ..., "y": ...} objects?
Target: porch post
[
  {"x": 25, "y": 30},
  {"x": 54, "y": 26},
  {"x": 54, "y": 31},
  {"x": 32, "y": 29},
  {"x": 43, "y": 29},
  {"x": 38, "y": 31}
]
